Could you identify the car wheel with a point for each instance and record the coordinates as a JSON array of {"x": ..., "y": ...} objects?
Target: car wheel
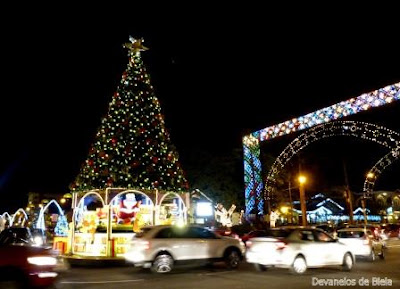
[
  {"x": 260, "y": 268},
  {"x": 232, "y": 259},
  {"x": 382, "y": 254},
  {"x": 299, "y": 265},
  {"x": 371, "y": 256},
  {"x": 348, "y": 262},
  {"x": 162, "y": 264}
]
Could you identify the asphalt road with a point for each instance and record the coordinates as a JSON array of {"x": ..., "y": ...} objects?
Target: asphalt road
[{"x": 378, "y": 274}]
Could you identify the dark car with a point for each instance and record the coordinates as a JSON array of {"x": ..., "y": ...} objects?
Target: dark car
[
  {"x": 16, "y": 235},
  {"x": 391, "y": 230},
  {"x": 24, "y": 235},
  {"x": 23, "y": 265}
]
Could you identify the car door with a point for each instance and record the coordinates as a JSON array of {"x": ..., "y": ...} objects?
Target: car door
[
  {"x": 332, "y": 250},
  {"x": 311, "y": 249},
  {"x": 189, "y": 243},
  {"x": 206, "y": 244},
  {"x": 213, "y": 245}
]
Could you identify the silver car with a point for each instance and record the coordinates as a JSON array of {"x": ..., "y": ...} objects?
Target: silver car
[
  {"x": 162, "y": 247},
  {"x": 362, "y": 242},
  {"x": 298, "y": 248}
]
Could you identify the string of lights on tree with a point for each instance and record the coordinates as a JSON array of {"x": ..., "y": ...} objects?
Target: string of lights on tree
[
  {"x": 132, "y": 148},
  {"x": 254, "y": 197},
  {"x": 366, "y": 131},
  {"x": 61, "y": 228}
]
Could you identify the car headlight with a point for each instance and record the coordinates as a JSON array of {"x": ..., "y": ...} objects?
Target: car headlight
[
  {"x": 42, "y": 261},
  {"x": 38, "y": 241}
]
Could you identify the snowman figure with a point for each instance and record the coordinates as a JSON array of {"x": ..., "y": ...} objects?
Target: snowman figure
[{"x": 128, "y": 209}]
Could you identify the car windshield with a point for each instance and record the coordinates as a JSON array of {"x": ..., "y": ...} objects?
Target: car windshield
[
  {"x": 15, "y": 235},
  {"x": 350, "y": 234}
]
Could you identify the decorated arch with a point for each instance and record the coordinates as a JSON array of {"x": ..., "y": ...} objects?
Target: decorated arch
[
  {"x": 171, "y": 209},
  {"x": 132, "y": 206},
  {"x": 7, "y": 218},
  {"x": 379, "y": 167},
  {"x": 254, "y": 186},
  {"x": 79, "y": 208},
  {"x": 16, "y": 214},
  {"x": 362, "y": 130},
  {"x": 40, "y": 221}
]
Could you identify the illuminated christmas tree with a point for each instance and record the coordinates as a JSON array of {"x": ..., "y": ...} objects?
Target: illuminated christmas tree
[
  {"x": 61, "y": 228},
  {"x": 132, "y": 148}
]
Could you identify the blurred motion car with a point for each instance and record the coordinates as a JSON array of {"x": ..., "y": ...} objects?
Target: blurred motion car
[
  {"x": 252, "y": 234},
  {"x": 391, "y": 230},
  {"x": 24, "y": 235},
  {"x": 23, "y": 265},
  {"x": 362, "y": 242},
  {"x": 298, "y": 248},
  {"x": 15, "y": 235},
  {"x": 327, "y": 227},
  {"x": 162, "y": 247},
  {"x": 227, "y": 232}
]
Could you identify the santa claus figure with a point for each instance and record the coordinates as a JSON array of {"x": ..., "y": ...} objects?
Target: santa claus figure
[{"x": 128, "y": 209}]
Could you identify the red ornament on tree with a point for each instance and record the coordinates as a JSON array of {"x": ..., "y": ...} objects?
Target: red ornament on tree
[
  {"x": 116, "y": 94},
  {"x": 155, "y": 159},
  {"x": 170, "y": 156},
  {"x": 90, "y": 162},
  {"x": 110, "y": 182}
]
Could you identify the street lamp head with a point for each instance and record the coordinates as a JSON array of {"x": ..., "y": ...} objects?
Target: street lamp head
[
  {"x": 284, "y": 209},
  {"x": 302, "y": 180},
  {"x": 370, "y": 175}
]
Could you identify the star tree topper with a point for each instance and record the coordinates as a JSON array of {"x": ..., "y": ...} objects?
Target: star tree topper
[{"x": 135, "y": 45}]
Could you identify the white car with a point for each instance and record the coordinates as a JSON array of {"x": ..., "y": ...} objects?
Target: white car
[
  {"x": 298, "y": 248},
  {"x": 162, "y": 247},
  {"x": 362, "y": 242}
]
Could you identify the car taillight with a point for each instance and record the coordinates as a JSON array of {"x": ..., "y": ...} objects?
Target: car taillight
[
  {"x": 280, "y": 245},
  {"x": 248, "y": 244}
]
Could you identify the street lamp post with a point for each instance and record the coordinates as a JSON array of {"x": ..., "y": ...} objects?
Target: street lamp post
[
  {"x": 366, "y": 194},
  {"x": 302, "y": 181}
]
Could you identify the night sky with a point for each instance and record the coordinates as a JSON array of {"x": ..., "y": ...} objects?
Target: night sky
[{"x": 219, "y": 74}]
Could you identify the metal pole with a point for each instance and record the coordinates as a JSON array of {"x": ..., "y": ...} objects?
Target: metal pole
[
  {"x": 303, "y": 205},
  {"x": 348, "y": 194},
  {"x": 291, "y": 203},
  {"x": 364, "y": 205},
  {"x": 350, "y": 202}
]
